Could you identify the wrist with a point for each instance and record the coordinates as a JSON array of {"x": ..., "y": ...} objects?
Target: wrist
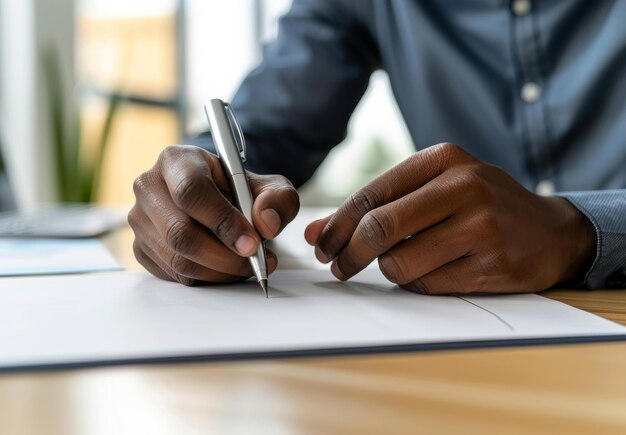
[{"x": 578, "y": 242}]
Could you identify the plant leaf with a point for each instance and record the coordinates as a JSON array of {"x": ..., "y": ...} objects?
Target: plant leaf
[
  {"x": 114, "y": 103},
  {"x": 56, "y": 107}
]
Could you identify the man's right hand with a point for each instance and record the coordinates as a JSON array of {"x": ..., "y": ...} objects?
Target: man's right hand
[{"x": 186, "y": 227}]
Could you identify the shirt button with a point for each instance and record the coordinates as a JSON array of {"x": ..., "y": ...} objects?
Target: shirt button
[
  {"x": 531, "y": 92},
  {"x": 545, "y": 188},
  {"x": 521, "y": 7}
]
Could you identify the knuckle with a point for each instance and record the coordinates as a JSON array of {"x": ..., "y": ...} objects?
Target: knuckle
[
  {"x": 476, "y": 183},
  {"x": 170, "y": 153},
  {"x": 291, "y": 198},
  {"x": 133, "y": 219},
  {"x": 178, "y": 238},
  {"x": 485, "y": 222},
  {"x": 226, "y": 224},
  {"x": 451, "y": 148},
  {"x": 280, "y": 182},
  {"x": 287, "y": 198},
  {"x": 453, "y": 154},
  {"x": 189, "y": 191},
  {"x": 364, "y": 200},
  {"x": 141, "y": 184},
  {"x": 376, "y": 230},
  {"x": 473, "y": 175},
  {"x": 450, "y": 151},
  {"x": 480, "y": 171},
  {"x": 282, "y": 193}
]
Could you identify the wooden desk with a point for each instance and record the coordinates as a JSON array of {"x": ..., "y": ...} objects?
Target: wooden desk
[{"x": 549, "y": 389}]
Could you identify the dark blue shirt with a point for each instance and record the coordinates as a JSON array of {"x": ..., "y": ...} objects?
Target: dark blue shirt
[{"x": 537, "y": 88}]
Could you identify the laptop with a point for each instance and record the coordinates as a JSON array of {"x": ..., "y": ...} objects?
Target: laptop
[{"x": 54, "y": 220}]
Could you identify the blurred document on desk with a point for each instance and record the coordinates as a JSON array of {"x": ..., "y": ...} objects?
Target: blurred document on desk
[
  {"x": 53, "y": 256},
  {"x": 134, "y": 317}
]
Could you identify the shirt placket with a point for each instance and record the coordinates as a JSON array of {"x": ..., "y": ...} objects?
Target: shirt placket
[{"x": 531, "y": 94}]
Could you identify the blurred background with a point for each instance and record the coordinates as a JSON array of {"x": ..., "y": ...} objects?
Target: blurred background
[{"x": 92, "y": 90}]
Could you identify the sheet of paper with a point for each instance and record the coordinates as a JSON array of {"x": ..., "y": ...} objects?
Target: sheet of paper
[
  {"x": 133, "y": 317},
  {"x": 53, "y": 256},
  {"x": 293, "y": 251}
]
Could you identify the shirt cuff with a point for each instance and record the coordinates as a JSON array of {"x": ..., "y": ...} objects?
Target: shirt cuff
[{"x": 606, "y": 210}]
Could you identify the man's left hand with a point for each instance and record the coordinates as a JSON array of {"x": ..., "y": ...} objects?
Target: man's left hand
[{"x": 443, "y": 222}]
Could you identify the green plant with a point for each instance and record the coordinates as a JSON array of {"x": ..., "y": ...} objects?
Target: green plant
[{"x": 77, "y": 171}]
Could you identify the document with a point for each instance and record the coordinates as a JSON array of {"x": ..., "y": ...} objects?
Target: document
[
  {"x": 25, "y": 256},
  {"x": 134, "y": 317}
]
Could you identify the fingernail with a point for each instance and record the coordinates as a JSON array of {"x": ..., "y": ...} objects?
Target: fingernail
[
  {"x": 334, "y": 268},
  {"x": 321, "y": 257},
  {"x": 271, "y": 219},
  {"x": 245, "y": 245}
]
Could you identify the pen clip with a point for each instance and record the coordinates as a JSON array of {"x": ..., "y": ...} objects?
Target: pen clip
[{"x": 237, "y": 132}]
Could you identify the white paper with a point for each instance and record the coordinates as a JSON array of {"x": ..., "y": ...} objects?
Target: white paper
[
  {"x": 133, "y": 316},
  {"x": 294, "y": 252},
  {"x": 53, "y": 256}
]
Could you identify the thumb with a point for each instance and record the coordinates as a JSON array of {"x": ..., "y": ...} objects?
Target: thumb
[
  {"x": 314, "y": 230},
  {"x": 276, "y": 203}
]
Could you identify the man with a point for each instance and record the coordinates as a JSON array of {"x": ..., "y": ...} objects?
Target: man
[{"x": 532, "y": 92}]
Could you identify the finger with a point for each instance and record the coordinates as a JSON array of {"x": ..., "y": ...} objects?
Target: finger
[
  {"x": 184, "y": 269},
  {"x": 191, "y": 176},
  {"x": 149, "y": 264},
  {"x": 155, "y": 265},
  {"x": 427, "y": 251},
  {"x": 397, "y": 182},
  {"x": 381, "y": 229},
  {"x": 188, "y": 273},
  {"x": 476, "y": 273},
  {"x": 177, "y": 233},
  {"x": 314, "y": 229},
  {"x": 454, "y": 277},
  {"x": 276, "y": 203}
]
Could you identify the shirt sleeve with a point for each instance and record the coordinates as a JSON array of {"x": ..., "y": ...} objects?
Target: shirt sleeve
[
  {"x": 295, "y": 106},
  {"x": 607, "y": 212}
]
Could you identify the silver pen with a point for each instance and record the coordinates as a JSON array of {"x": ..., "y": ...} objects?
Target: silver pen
[{"x": 224, "y": 129}]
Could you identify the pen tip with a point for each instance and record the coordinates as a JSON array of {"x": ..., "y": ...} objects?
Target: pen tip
[{"x": 263, "y": 283}]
